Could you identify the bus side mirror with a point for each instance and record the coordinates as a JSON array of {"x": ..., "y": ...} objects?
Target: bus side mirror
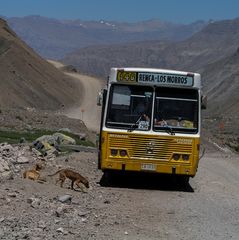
[
  {"x": 101, "y": 97},
  {"x": 204, "y": 102}
]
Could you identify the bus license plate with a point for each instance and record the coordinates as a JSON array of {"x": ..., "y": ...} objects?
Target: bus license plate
[{"x": 148, "y": 167}]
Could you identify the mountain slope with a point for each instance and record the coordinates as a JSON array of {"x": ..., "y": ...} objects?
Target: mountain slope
[
  {"x": 221, "y": 84},
  {"x": 215, "y": 41},
  {"x": 27, "y": 80},
  {"x": 97, "y": 60}
]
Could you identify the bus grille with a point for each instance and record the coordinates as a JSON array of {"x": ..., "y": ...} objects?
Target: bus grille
[{"x": 141, "y": 147}]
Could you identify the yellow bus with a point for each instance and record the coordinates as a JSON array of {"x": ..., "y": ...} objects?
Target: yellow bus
[{"x": 151, "y": 121}]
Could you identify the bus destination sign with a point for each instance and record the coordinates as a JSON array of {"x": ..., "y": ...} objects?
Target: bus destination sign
[
  {"x": 155, "y": 78},
  {"x": 167, "y": 79}
]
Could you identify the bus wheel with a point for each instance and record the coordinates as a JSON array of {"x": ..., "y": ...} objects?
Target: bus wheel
[
  {"x": 184, "y": 180},
  {"x": 107, "y": 178}
]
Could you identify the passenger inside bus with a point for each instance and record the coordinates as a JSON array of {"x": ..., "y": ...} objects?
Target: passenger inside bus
[{"x": 160, "y": 122}]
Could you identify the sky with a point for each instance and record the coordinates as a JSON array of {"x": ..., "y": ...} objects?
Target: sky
[{"x": 176, "y": 11}]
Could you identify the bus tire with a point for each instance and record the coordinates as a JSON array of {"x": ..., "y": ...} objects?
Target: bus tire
[
  {"x": 184, "y": 180},
  {"x": 107, "y": 178}
]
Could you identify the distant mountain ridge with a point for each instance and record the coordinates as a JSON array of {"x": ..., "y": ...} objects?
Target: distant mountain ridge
[
  {"x": 53, "y": 38},
  {"x": 217, "y": 40}
]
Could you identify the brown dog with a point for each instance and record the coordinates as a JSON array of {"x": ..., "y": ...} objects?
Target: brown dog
[{"x": 73, "y": 176}]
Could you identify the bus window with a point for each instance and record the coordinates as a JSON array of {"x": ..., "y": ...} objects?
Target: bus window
[
  {"x": 176, "y": 109},
  {"x": 129, "y": 105}
]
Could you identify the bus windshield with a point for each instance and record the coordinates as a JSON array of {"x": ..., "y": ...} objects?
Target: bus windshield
[
  {"x": 166, "y": 109},
  {"x": 130, "y": 107},
  {"x": 176, "y": 109}
]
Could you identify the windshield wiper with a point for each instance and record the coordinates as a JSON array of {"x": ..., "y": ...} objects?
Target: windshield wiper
[
  {"x": 134, "y": 125},
  {"x": 169, "y": 130}
]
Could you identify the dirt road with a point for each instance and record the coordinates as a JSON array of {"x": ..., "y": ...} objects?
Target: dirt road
[
  {"x": 86, "y": 110},
  {"x": 133, "y": 207}
]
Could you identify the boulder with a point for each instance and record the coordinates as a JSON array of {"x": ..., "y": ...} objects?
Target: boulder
[{"x": 63, "y": 139}]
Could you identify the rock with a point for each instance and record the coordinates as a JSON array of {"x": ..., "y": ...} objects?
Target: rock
[
  {"x": 4, "y": 165},
  {"x": 22, "y": 159},
  {"x": 82, "y": 214},
  {"x": 62, "y": 210},
  {"x": 9, "y": 157},
  {"x": 1, "y": 232},
  {"x": 35, "y": 202},
  {"x": 51, "y": 152},
  {"x": 8, "y": 175},
  {"x": 65, "y": 198},
  {"x": 4, "y": 147},
  {"x": 83, "y": 219},
  {"x": 60, "y": 230},
  {"x": 67, "y": 130},
  {"x": 61, "y": 138},
  {"x": 36, "y": 152},
  {"x": 46, "y": 139},
  {"x": 81, "y": 136},
  {"x": 56, "y": 221},
  {"x": 22, "y": 140},
  {"x": 13, "y": 195},
  {"x": 42, "y": 224}
]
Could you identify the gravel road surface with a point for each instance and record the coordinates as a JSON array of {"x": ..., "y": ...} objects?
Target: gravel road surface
[{"x": 130, "y": 207}]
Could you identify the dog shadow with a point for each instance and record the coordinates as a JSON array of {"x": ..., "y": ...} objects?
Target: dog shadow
[{"x": 144, "y": 180}]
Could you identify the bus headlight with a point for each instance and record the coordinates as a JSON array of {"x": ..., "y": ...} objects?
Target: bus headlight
[
  {"x": 176, "y": 156},
  {"x": 113, "y": 152},
  {"x": 123, "y": 153},
  {"x": 185, "y": 157}
]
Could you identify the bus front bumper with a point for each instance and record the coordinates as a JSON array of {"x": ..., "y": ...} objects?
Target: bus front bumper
[{"x": 172, "y": 168}]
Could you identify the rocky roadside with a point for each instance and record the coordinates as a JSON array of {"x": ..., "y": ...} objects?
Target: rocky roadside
[
  {"x": 41, "y": 210},
  {"x": 223, "y": 131},
  {"x": 33, "y": 210}
]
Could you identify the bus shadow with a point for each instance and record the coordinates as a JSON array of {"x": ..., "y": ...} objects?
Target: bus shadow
[{"x": 146, "y": 181}]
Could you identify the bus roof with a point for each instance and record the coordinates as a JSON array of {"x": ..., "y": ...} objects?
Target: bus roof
[{"x": 155, "y": 77}]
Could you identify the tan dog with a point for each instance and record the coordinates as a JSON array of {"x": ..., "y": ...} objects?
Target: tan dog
[
  {"x": 73, "y": 176},
  {"x": 33, "y": 173}
]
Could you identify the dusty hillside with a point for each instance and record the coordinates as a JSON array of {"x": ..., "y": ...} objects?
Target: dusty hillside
[
  {"x": 221, "y": 82},
  {"x": 27, "y": 80}
]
